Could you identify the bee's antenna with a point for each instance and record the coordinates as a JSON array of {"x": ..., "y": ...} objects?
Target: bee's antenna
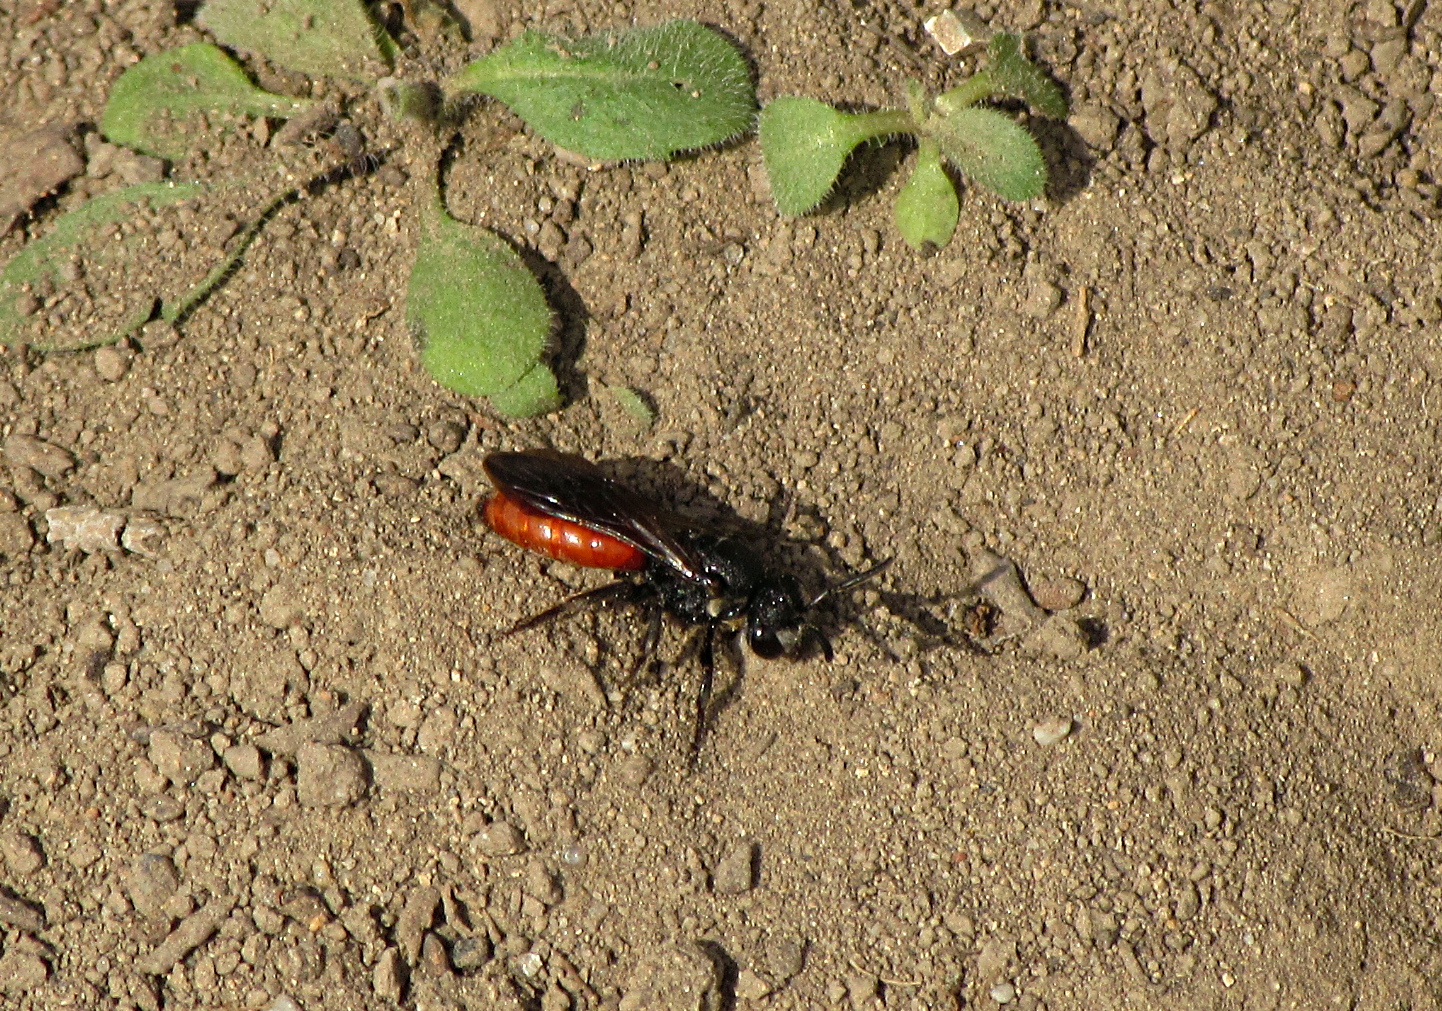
[{"x": 849, "y": 582}]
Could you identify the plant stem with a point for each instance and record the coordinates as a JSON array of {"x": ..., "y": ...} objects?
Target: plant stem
[
  {"x": 869, "y": 125},
  {"x": 975, "y": 88}
]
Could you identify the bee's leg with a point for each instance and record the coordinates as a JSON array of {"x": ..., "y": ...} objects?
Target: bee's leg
[
  {"x": 812, "y": 632},
  {"x": 621, "y": 591},
  {"x": 654, "y": 624},
  {"x": 703, "y": 696}
]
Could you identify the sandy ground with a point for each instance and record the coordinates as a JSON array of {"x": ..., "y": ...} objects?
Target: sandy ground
[{"x": 275, "y": 752}]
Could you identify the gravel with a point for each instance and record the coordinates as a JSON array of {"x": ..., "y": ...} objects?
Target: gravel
[
  {"x": 151, "y": 880},
  {"x": 500, "y": 839},
  {"x": 180, "y": 758},
  {"x": 189, "y": 935},
  {"x": 39, "y": 455},
  {"x": 1052, "y": 731},
  {"x": 735, "y": 872},
  {"x": 22, "y": 853},
  {"x": 329, "y": 775}
]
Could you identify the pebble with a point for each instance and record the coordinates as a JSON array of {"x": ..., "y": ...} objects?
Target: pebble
[
  {"x": 415, "y": 919},
  {"x": 1042, "y": 300},
  {"x": 785, "y": 957},
  {"x": 412, "y": 773},
  {"x": 21, "y": 972},
  {"x": 1059, "y": 637},
  {"x": 750, "y": 986},
  {"x": 1003, "y": 993},
  {"x": 21, "y": 852},
  {"x": 179, "y": 758},
  {"x": 83, "y": 528},
  {"x": 1058, "y": 594},
  {"x": 1189, "y": 902},
  {"x": 435, "y": 960},
  {"x": 437, "y": 730},
  {"x": 142, "y": 536},
  {"x": 635, "y": 769},
  {"x": 38, "y": 455},
  {"x": 16, "y": 537},
  {"x": 389, "y": 976},
  {"x": 997, "y": 579},
  {"x": 111, "y": 364},
  {"x": 192, "y": 932},
  {"x": 996, "y": 954},
  {"x": 540, "y": 884},
  {"x": 471, "y": 952},
  {"x": 1291, "y": 673},
  {"x": 446, "y": 436},
  {"x": 245, "y": 760},
  {"x": 500, "y": 839},
  {"x": 1052, "y": 731},
  {"x": 332, "y": 728},
  {"x": 329, "y": 775},
  {"x": 675, "y": 976},
  {"x": 162, "y": 807},
  {"x": 280, "y": 608},
  {"x": 862, "y": 989},
  {"x": 736, "y": 871},
  {"x": 151, "y": 880}
]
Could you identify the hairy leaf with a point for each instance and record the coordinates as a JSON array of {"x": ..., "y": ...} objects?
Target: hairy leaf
[
  {"x": 991, "y": 149},
  {"x": 645, "y": 93},
  {"x": 927, "y": 209},
  {"x": 631, "y": 402},
  {"x": 805, "y": 143},
  {"x": 150, "y": 103},
  {"x": 480, "y": 314},
  {"x": 40, "y": 263},
  {"x": 1014, "y": 75},
  {"x": 534, "y": 393},
  {"x": 317, "y": 37}
]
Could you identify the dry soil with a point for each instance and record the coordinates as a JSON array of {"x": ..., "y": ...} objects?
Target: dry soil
[{"x": 262, "y": 740}]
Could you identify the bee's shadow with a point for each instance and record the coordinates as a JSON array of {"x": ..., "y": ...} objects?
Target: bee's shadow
[{"x": 815, "y": 564}]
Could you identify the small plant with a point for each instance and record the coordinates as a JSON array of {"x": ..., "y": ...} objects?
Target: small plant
[
  {"x": 479, "y": 314},
  {"x": 806, "y": 143}
]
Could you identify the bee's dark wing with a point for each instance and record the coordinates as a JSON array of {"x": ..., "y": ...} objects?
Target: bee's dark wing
[{"x": 572, "y": 488}]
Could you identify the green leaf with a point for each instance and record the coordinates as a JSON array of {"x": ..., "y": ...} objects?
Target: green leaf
[
  {"x": 645, "y": 93},
  {"x": 805, "y": 143},
  {"x": 150, "y": 102},
  {"x": 631, "y": 402},
  {"x": 534, "y": 393},
  {"x": 39, "y": 265},
  {"x": 480, "y": 314},
  {"x": 991, "y": 149},
  {"x": 317, "y": 37},
  {"x": 927, "y": 209},
  {"x": 1014, "y": 75}
]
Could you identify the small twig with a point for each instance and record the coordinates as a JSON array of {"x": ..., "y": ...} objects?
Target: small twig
[
  {"x": 1415, "y": 838},
  {"x": 1294, "y": 624},
  {"x": 1082, "y": 323},
  {"x": 1181, "y": 425}
]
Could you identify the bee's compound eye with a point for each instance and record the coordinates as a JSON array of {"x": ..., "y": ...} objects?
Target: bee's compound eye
[
  {"x": 769, "y": 643},
  {"x": 766, "y": 645}
]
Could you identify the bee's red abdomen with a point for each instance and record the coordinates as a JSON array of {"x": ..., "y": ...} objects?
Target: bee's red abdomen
[{"x": 563, "y": 540}]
